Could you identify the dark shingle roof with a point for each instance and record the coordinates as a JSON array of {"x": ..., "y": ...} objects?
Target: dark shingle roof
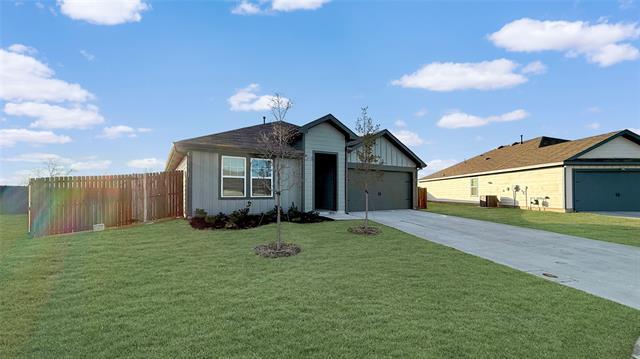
[
  {"x": 245, "y": 138},
  {"x": 537, "y": 151}
]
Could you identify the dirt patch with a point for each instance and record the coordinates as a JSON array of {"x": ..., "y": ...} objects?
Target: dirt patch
[
  {"x": 271, "y": 250},
  {"x": 369, "y": 231}
]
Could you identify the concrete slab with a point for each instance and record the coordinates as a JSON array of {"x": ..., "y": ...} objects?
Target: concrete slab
[{"x": 604, "y": 269}]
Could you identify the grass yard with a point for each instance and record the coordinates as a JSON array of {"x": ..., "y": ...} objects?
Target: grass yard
[
  {"x": 588, "y": 225},
  {"x": 166, "y": 290}
]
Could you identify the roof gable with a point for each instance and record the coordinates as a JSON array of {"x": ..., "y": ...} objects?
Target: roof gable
[
  {"x": 396, "y": 142},
  {"x": 332, "y": 120}
]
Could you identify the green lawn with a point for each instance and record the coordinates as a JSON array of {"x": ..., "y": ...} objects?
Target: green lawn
[
  {"x": 588, "y": 225},
  {"x": 166, "y": 290}
]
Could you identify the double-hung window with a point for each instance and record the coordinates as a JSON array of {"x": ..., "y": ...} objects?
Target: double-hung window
[
  {"x": 234, "y": 172},
  {"x": 261, "y": 177},
  {"x": 474, "y": 186}
]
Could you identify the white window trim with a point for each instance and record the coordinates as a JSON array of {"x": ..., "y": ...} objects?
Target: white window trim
[
  {"x": 251, "y": 177},
  {"x": 222, "y": 177},
  {"x": 471, "y": 187}
]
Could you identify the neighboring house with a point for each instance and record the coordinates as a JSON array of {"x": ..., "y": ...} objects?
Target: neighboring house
[
  {"x": 221, "y": 170},
  {"x": 599, "y": 173}
]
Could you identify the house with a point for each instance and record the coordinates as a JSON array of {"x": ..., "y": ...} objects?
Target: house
[
  {"x": 599, "y": 173},
  {"x": 222, "y": 170}
]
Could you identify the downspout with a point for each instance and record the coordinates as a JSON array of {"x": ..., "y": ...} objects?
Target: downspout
[{"x": 346, "y": 180}]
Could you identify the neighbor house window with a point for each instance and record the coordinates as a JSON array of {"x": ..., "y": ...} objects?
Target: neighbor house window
[
  {"x": 233, "y": 176},
  {"x": 261, "y": 177},
  {"x": 474, "y": 186}
]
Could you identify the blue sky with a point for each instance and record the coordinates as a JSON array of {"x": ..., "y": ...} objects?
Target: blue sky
[{"x": 107, "y": 90}]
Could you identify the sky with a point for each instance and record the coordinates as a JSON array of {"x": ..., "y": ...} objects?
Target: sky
[{"x": 106, "y": 87}]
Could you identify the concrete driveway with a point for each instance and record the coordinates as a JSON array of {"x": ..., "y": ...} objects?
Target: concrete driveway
[{"x": 608, "y": 270}]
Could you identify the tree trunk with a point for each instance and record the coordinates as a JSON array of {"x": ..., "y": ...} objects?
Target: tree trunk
[
  {"x": 279, "y": 234},
  {"x": 366, "y": 207}
]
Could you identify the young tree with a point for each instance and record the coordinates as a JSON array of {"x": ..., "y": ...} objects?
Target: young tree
[
  {"x": 276, "y": 144},
  {"x": 367, "y": 158},
  {"x": 51, "y": 168}
]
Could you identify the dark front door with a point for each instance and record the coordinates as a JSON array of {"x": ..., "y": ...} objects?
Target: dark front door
[
  {"x": 325, "y": 181},
  {"x": 606, "y": 190},
  {"x": 387, "y": 190}
]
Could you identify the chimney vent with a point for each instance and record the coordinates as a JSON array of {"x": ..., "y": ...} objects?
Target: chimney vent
[
  {"x": 520, "y": 139},
  {"x": 264, "y": 120}
]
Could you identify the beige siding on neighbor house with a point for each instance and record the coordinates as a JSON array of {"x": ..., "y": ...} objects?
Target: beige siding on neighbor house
[
  {"x": 619, "y": 147},
  {"x": 323, "y": 138},
  {"x": 569, "y": 179},
  {"x": 205, "y": 186},
  {"x": 543, "y": 182}
]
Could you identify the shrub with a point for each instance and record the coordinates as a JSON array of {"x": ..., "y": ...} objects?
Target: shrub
[{"x": 240, "y": 219}]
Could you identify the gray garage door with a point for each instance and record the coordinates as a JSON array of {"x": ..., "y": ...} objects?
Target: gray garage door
[
  {"x": 387, "y": 190},
  {"x": 606, "y": 190}
]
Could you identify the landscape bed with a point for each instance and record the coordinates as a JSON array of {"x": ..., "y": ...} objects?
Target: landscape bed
[
  {"x": 588, "y": 225},
  {"x": 167, "y": 290}
]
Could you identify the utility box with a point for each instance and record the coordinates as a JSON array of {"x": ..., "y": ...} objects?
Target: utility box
[{"x": 489, "y": 201}]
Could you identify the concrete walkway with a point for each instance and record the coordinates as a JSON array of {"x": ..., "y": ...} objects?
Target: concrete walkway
[{"x": 604, "y": 269}]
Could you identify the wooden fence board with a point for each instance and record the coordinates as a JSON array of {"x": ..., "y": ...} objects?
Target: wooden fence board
[{"x": 72, "y": 204}]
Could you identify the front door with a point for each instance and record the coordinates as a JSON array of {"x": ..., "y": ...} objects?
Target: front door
[{"x": 325, "y": 181}]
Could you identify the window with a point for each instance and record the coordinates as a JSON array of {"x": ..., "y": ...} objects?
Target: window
[
  {"x": 233, "y": 176},
  {"x": 261, "y": 177},
  {"x": 474, "y": 186}
]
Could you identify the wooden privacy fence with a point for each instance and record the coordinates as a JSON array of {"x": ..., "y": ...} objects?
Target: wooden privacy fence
[{"x": 72, "y": 204}]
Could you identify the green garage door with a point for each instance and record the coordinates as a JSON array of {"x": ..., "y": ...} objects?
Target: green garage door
[
  {"x": 606, "y": 190},
  {"x": 387, "y": 190}
]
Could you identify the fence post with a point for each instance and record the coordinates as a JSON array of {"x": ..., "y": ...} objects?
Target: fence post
[{"x": 144, "y": 190}]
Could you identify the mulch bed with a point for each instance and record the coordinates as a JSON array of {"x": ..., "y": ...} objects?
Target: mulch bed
[
  {"x": 270, "y": 250},
  {"x": 371, "y": 231}
]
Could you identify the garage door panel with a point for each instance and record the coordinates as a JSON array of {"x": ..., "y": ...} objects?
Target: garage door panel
[
  {"x": 607, "y": 190},
  {"x": 387, "y": 190}
]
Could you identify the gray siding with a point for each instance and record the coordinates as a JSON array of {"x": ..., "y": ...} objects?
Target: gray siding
[
  {"x": 389, "y": 154},
  {"x": 205, "y": 187},
  {"x": 323, "y": 138}
]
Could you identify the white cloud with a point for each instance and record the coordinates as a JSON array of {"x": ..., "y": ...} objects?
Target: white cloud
[
  {"x": 634, "y": 130},
  {"x": 52, "y": 116},
  {"x": 111, "y": 12},
  {"x": 10, "y": 136},
  {"x": 535, "y": 68},
  {"x": 450, "y": 76},
  {"x": 246, "y": 8},
  {"x": 421, "y": 112},
  {"x": 24, "y": 78},
  {"x": 625, "y": 4},
  {"x": 90, "y": 165},
  {"x": 87, "y": 55},
  {"x": 293, "y": 5},
  {"x": 400, "y": 124},
  {"x": 246, "y": 99},
  {"x": 600, "y": 43},
  {"x": 593, "y": 125},
  {"x": 18, "y": 178},
  {"x": 409, "y": 138},
  {"x": 118, "y": 131},
  {"x": 462, "y": 120},
  {"x": 22, "y": 49},
  {"x": 37, "y": 157},
  {"x": 146, "y": 163}
]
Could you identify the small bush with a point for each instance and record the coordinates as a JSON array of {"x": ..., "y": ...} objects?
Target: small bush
[{"x": 241, "y": 219}]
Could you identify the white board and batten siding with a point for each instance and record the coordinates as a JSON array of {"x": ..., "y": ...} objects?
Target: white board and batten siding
[
  {"x": 205, "y": 186},
  {"x": 323, "y": 138},
  {"x": 619, "y": 147},
  {"x": 389, "y": 154},
  {"x": 183, "y": 166}
]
